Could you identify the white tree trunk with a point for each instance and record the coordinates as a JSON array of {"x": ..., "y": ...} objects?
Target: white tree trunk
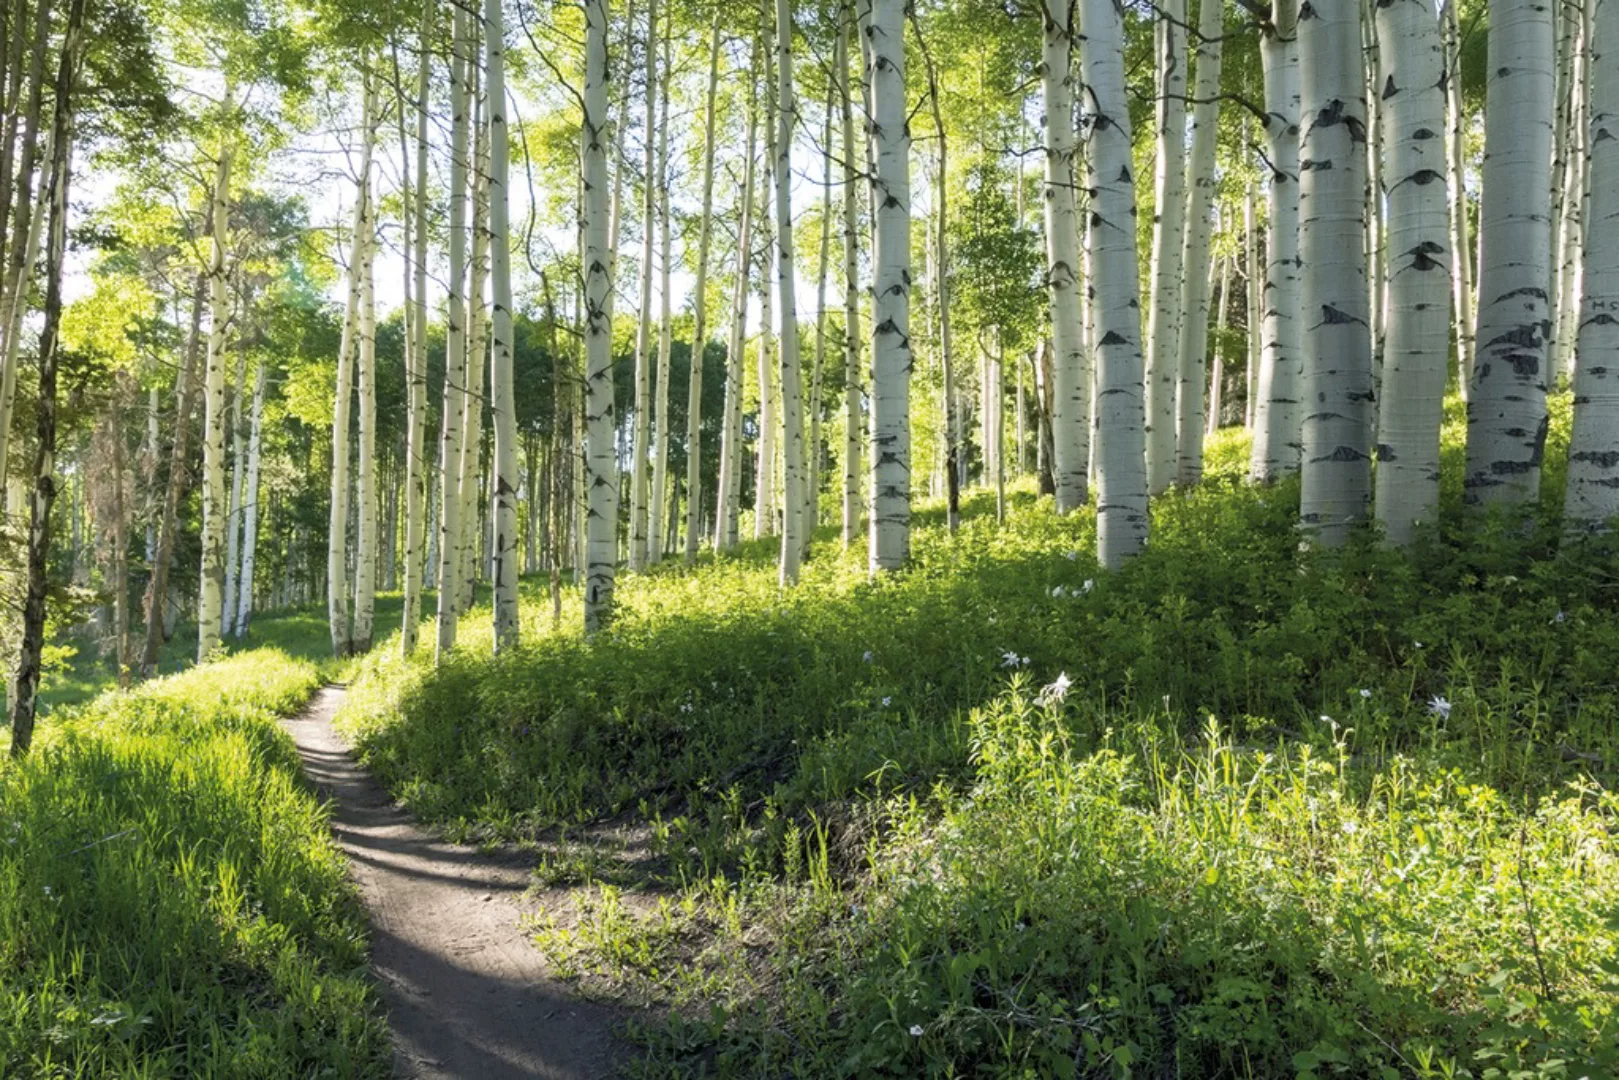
[
  {"x": 657, "y": 517},
  {"x": 1592, "y": 498},
  {"x": 891, "y": 357},
  {"x": 1193, "y": 345},
  {"x": 210, "y": 593},
  {"x": 472, "y": 425},
  {"x": 503, "y": 397},
  {"x": 1255, "y": 320},
  {"x": 1121, "y": 485},
  {"x": 853, "y": 413},
  {"x": 1169, "y": 218},
  {"x": 1506, "y": 416},
  {"x": 365, "y": 481},
  {"x": 1461, "y": 243},
  {"x": 727, "y": 508},
  {"x": 1336, "y": 466},
  {"x": 455, "y": 351},
  {"x": 233, "y": 522},
  {"x": 1071, "y": 407},
  {"x": 250, "y": 509},
  {"x": 1417, "y": 344},
  {"x": 792, "y": 380},
  {"x": 641, "y": 439},
  {"x": 417, "y": 468},
  {"x": 600, "y": 463},
  {"x": 1279, "y": 394},
  {"x": 699, "y": 338}
]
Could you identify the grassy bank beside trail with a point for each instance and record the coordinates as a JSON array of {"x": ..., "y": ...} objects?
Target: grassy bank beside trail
[
  {"x": 171, "y": 903},
  {"x": 1239, "y": 809}
]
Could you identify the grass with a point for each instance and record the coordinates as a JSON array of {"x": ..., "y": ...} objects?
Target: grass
[
  {"x": 1296, "y": 814},
  {"x": 171, "y": 902}
]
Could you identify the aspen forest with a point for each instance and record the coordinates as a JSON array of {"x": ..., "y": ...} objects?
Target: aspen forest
[{"x": 809, "y": 538}]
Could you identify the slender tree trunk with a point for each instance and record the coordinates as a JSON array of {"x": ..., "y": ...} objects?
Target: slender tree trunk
[
  {"x": 1418, "y": 331},
  {"x": 1169, "y": 213},
  {"x": 365, "y": 485},
  {"x": 210, "y": 599},
  {"x": 853, "y": 413},
  {"x": 31, "y": 648},
  {"x": 417, "y": 466},
  {"x": 1217, "y": 379},
  {"x": 642, "y": 437},
  {"x": 764, "y": 477},
  {"x": 1071, "y": 370},
  {"x": 1193, "y": 346},
  {"x": 233, "y": 523},
  {"x": 14, "y": 305},
  {"x": 1461, "y": 241},
  {"x": 792, "y": 377},
  {"x": 600, "y": 464},
  {"x": 1592, "y": 499},
  {"x": 656, "y": 518},
  {"x": 817, "y": 458},
  {"x": 1278, "y": 408},
  {"x": 1121, "y": 493},
  {"x": 22, "y": 251},
  {"x": 477, "y": 341},
  {"x": 1506, "y": 416},
  {"x": 1251, "y": 275},
  {"x": 699, "y": 338},
  {"x": 250, "y": 523},
  {"x": 891, "y": 358},
  {"x": 455, "y": 351},
  {"x": 503, "y": 395},
  {"x": 1332, "y": 226},
  {"x": 729, "y": 483},
  {"x": 157, "y": 595}
]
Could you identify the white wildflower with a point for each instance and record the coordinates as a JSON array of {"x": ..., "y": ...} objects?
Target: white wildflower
[
  {"x": 1090, "y": 584},
  {"x": 887, "y": 701},
  {"x": 1058, "y": 591},
  {"x": 867, "y": 657},
  {"x": 1057, "y": 690},
  {"x": 1365, "y": 695},
  {"x": 1439, "y": 706},
  {"x": 916, "y": 1031},
  {"x": 1073, "y": 556},
  {"x": 1009, "y": 659},
  {"x": 1560, "y": 617}
]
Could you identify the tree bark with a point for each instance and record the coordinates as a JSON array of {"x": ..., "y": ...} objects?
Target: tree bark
[
  {"x": 210, "y": 592},
  {"x": 600, "y": 462},
  {"x": 852, "y": 410},
  {"x": 1592, "y": 498},
  {"x": 1506, "y": 416},
  {"x": 417, "y": 467},
  {"x": 1169, "y": 214},
  {"x": 642, "y": 435},
  {"x": 1417, "y": 343},
  {"x": 1336, "y": 463},
  {"x": 455, "y": 350},
  {"x": 503, "y": 397},
  {"x": 699, "y": 338},
  {"x": 250, "y": 523},
  {"x": 891, "y": 358},
  {"x": 657, "y": 521},
  {"x": 729, "y": 485},
  {"x": 1121, "y": 492},
  {"x": 792, "y": 377}
]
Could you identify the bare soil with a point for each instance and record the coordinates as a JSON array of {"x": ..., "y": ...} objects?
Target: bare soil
[{"x": 468, "y": 995}]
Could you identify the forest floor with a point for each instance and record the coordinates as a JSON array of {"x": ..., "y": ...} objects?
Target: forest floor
[{"x": 467, "y": 992}]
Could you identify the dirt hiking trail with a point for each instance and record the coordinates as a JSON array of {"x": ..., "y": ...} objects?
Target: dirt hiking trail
[{"x": 467, "y": 994}]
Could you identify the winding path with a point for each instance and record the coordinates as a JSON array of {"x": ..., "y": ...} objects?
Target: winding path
[{"x": 467, "y": 994}]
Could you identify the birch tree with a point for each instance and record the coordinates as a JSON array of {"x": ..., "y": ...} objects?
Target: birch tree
[
  {"x": 1592, "y": 498},
  {"x": 1336, "y": 463},
  {"x": 1120, "y": 435},
  {"x": 365, "y": 481},
  {"x": 600, "y": 462},
  {"x": 641, "y": 439},
  {"x": 792, "y": 381},
  {"x": 1417, "y": 344},
  {"x": 1071, "y": 404},
  {"x": 250, "y": 508},
  {"x": 1279, "y": 393},
  {"x": 416, "y": 466},
  {"x": 503, "y": 488},
  {"x": 699, "y": 337},
  {"x": 727, "y": 506},
  {"x": 233, "y": 522},
  {"x": 210, "y": 598},
  {"x": 891, "y": 358},
  {"x": 1506, "y": 416},
  {"x": 1169, "y": 216},
  {"x": 1193, "y": 345},
  {"x": 853, "y": 413},
  {"x": 455, "y": 369}
]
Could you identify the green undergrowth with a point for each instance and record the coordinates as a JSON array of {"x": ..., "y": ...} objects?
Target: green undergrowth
[
  {"x": 1238, "y": 809},
  {"x": 171, "y": 903}
]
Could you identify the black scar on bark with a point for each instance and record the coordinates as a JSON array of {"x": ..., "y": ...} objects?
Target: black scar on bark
[
  {"x": 1112, "y": 337},
  {"x": 1385, "y": 452},
  {"x": 1389, "y": 89},
  {"x": 1606, "y": 459},
  {"x": 1344, "y": 453},
  {"x": 1540, "y": 440},
  {"x": 1524, "y": 336}
]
